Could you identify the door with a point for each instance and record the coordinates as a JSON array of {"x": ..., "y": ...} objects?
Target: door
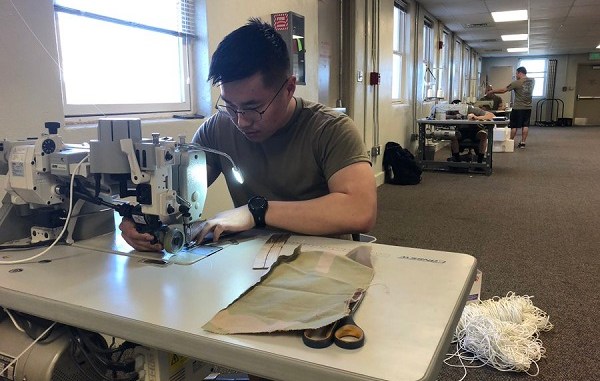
[
  {"x": 500, "y": 77},
  {"x": 587, "y": 100}
]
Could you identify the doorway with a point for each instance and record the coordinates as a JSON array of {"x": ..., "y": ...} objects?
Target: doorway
[{"x": 587, "y": 100}]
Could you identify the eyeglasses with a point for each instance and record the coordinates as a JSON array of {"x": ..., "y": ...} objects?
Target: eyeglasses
[{"x": 252, "y": 115}]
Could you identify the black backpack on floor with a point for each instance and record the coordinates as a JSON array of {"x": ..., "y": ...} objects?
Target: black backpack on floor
[{"x": 400, "y": 166}]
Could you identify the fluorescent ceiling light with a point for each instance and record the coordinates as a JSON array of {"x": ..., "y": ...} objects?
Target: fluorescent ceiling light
[
  {"x": 510, "y": 15},
  {"x": 517, "y": 50},
  {"x": 514, "y": 37},
  {"x": 598, "y": 47}
]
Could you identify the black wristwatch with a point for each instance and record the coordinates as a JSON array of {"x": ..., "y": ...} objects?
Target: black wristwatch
[{"x": 258, "y": 207}]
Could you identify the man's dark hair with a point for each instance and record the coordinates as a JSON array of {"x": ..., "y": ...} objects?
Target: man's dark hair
[
  {"x": 253, "y": 48},
  {"x": 456, "y": 101},
  {"x": 521, "y": 70}
]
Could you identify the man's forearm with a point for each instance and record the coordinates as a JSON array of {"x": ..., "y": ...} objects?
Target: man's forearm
[
  {"x": 335, "y": 213},
  {"x": 350, "y": 206},
  {"x": 497, "y": 91}
]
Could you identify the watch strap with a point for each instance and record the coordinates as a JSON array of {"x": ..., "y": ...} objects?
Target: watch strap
[{"x": 258, "y": 207}]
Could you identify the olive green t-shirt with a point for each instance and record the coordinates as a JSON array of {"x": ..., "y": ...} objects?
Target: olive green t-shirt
[
  {"x": 523, "y": 93},
  {"x": 292, "y": 165}
]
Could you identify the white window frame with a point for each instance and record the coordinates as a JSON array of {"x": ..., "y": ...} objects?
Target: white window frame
[
  {"x": 466, "y": 72},
  {"x": 428, "y": 36},
  {"x": 456, "y": 69},
  {"x": 399, "y": 51},
  {"x": 85, "y": 112},
  {"x": 444, "y": 63}
]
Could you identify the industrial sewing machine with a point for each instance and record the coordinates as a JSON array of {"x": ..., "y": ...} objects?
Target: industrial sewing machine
[
  {"x": 70, "y": 192},
  {"x": 166, "y": 178},
  {"x": 444, "y": 111}
]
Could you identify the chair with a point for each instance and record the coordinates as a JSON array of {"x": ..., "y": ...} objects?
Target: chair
[{"x": 469, "y": 143}]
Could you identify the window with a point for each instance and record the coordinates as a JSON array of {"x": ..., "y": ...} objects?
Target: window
[
  {"x": 399, "y": 50},
  {"x": 428, "y": 57},
  {"x": 427, "y": 41},
  {"x": 443, "y": 71},
  {"x": 466, "y": 73},
  {"x": 474, "y": 75},
  {"x": 536, "y": 68},
  {"x": 456, "y": 70},
  {"x": 124, "y": 57}
]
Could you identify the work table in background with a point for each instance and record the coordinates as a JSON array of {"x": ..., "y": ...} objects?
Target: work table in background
[{"x": 432, "y": 164}]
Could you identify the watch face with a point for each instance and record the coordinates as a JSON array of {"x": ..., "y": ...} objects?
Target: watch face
[
  {"x": 258, "y": 203},
  {"x": 258, "y": 207}
]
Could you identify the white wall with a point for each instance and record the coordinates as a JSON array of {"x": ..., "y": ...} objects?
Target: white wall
[
  {"x": 378, "y": 118},
  {"x": 219, "y": 26},
  {"x": 30, "y": 91}
]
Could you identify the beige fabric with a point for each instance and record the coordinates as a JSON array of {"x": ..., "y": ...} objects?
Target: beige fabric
[{"x": 306, "y": 290}]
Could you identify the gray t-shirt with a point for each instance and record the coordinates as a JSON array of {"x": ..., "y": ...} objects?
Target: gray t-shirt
[
  {"x": 292, "y": 165},
  {"x": 497, "y": 101},
  {"x": 523, "y": 93},
  {"x": 475, "y": 110}
]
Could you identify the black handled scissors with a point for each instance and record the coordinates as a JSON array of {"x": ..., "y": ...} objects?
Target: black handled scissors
[{"x": 345, "y": 333}]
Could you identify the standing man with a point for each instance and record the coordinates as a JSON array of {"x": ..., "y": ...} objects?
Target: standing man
[
  {"x": 305, "y": 166},
  {"x": 521, "y": 110}
]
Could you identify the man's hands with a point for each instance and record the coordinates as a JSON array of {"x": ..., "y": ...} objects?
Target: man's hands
[
  {"x": 488, "y": 116},
  {"x": 137, "y": 240},
  {"x": 231, "y": 221}
]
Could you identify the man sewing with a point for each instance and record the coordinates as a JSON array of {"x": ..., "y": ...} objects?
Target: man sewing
[
  {"x": 497, "y": 104},
  {"x": 476, "y": 133},
  {"x": 305, "y": 166}
]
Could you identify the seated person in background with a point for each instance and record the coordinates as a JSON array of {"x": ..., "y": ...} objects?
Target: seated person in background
[
  {"x": 498, "y": 104},
  {"x": 475, "y": 132}
]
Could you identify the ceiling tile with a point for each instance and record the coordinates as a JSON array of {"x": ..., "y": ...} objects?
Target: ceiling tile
[{"x": 556, "y": 26}]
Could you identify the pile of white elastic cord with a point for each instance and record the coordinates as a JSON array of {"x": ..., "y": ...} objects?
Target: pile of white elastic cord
[{"x": 502, "y": 333}]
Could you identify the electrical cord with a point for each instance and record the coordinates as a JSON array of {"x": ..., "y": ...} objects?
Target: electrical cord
[
  {"x": 17, "y": 357},
  {"x": 85, "y": 343},
  {"x": 29, "y": 324},
  {"x": 99, "y": 358},
  {"x": 14, "y": 321},
  {"x": 64, "y": 229}
]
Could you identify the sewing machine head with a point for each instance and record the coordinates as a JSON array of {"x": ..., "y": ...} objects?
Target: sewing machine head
[
  {"x": 445, "y": 111},
  {"x": 158, "y": 182}
]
